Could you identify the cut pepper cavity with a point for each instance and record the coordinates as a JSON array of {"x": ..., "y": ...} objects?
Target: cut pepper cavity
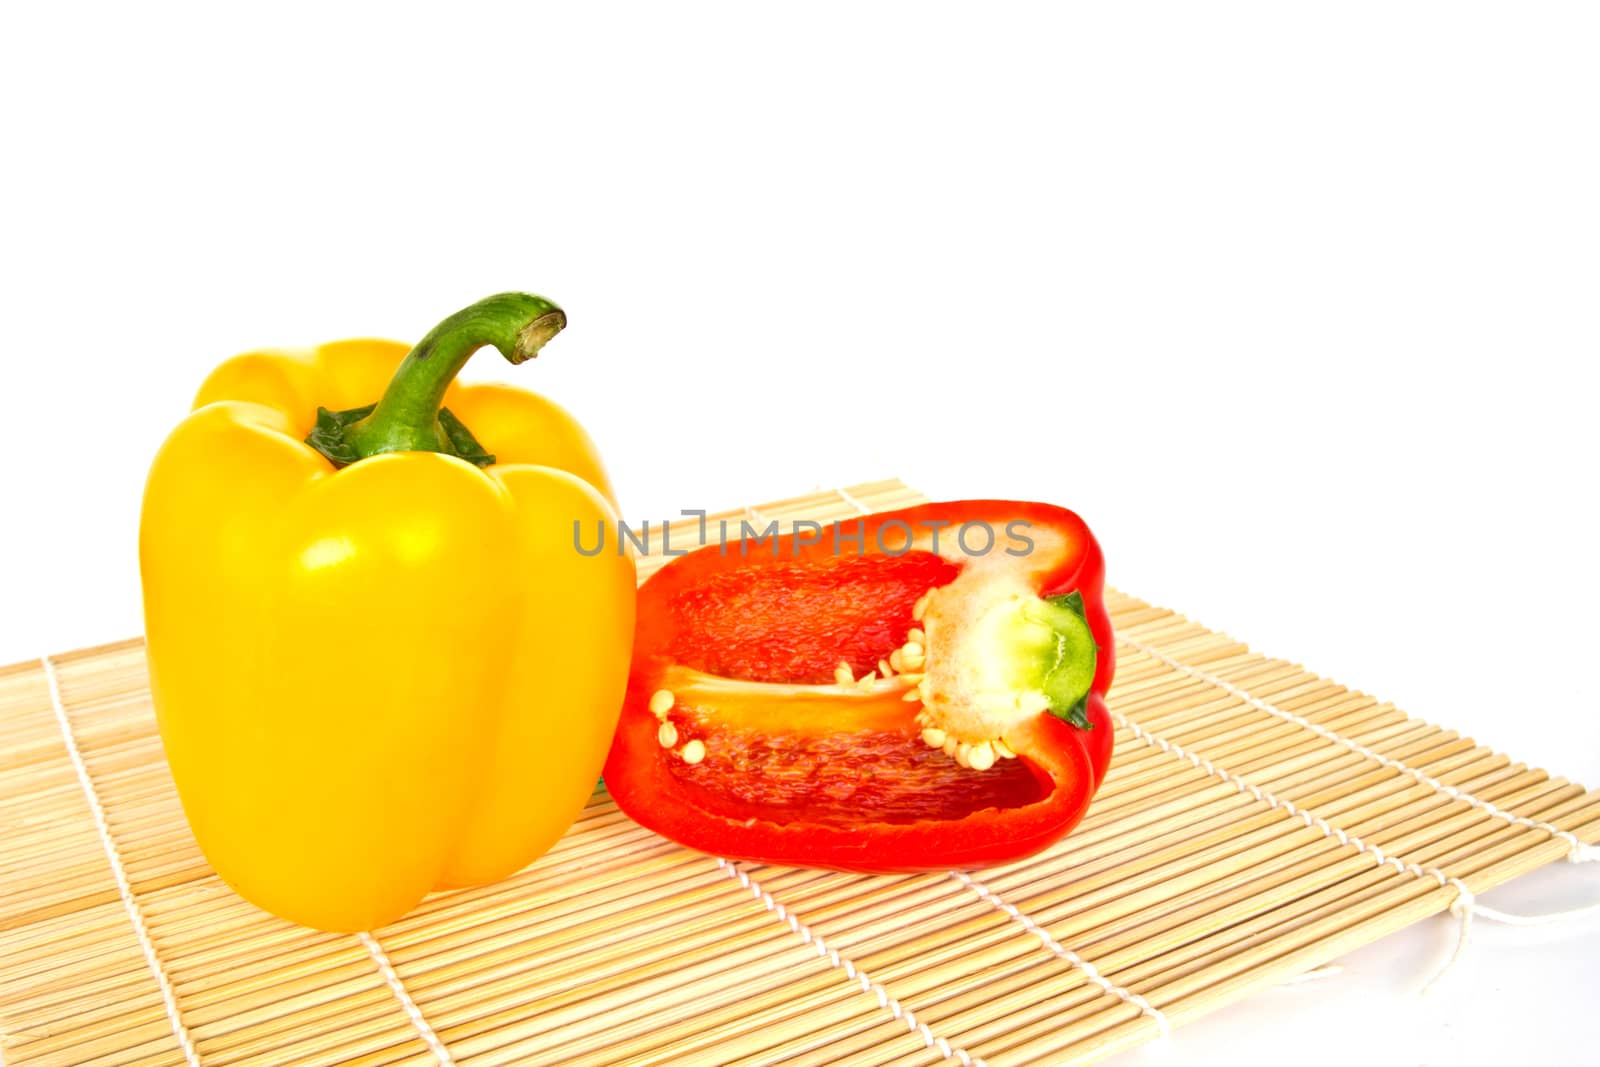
[{"x": 870, "y": 711}]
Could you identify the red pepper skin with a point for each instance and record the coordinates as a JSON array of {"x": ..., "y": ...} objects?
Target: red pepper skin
[{"x": 787, "y": 612}]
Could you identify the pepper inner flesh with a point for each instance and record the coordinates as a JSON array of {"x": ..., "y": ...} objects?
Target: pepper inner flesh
[
  {"x": 847, "y": 779},
  {"x": 795, "y": 621},
  {"x": 828, "y": 756},
  {"x": 785, "y": 706}
]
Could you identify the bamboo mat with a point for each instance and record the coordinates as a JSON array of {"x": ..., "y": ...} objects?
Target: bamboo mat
[{"x": 1257, "y": 821}]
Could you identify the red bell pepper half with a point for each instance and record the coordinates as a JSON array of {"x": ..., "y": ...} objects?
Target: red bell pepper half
[{"x": 917, "y": 690}]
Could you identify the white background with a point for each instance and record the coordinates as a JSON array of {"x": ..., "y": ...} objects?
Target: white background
[{"x": 1296, "y": 306}]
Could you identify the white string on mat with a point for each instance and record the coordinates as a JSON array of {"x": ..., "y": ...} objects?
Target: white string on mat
[
  {"x": 854, "y": 973},
  {"x": 397, "y": 987},
  {"x": 1577, "y": 851},
  {"x": 1090, "y": 971},
  {"x": 853, "y": 502},
  {"x": 1316, "y": 974},
  {"x": 1464, "y": 904},
  {"x": 130, "y": 903}
]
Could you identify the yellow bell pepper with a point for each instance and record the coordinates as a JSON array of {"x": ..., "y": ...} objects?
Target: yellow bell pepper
[{"x": 380, "y": 666}]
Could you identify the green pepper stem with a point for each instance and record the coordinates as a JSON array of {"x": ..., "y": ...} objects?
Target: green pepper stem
[{"x": 406, "y": 418}]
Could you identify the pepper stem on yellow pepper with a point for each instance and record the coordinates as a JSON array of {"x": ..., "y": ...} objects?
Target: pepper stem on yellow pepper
[{"x": 409, "y": 416}]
